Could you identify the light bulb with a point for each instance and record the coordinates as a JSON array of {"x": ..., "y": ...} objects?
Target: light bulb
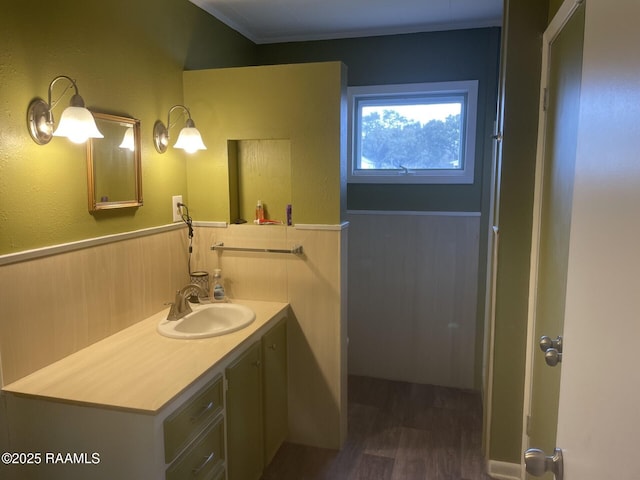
[
  {"x": 190, "y": 140},
  {"x": 78, "y": 125},
  {"x": 127, "y": 140}
]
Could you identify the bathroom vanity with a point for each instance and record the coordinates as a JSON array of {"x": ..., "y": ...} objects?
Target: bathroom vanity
[{"x": 137, "y": 405}]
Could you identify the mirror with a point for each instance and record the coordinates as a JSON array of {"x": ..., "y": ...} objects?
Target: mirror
[{"x": 113, "y": 164}]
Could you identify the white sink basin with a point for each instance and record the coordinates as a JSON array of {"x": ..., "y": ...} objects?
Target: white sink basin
[{"x": 208, "y": 320}]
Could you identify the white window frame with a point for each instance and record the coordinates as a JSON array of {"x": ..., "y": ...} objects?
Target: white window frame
[{"x": 465, "y": 175}]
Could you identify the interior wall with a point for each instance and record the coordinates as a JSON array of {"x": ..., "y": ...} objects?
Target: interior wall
[
  {"x": 522, "y": 64},
  {"x": 414, "y": 58},
  {"x": 89, "y": 293},
  {"x": 314, "y": 286},
  {"x": 127, "y": 58},
  {"x": 58, "y": 304},
  {"x": 261, "y": 165},
  {"x": 302, "y": 104},
  {"x": 554, "y": 6},
  {"x": 298, "y": 103},
  {"x": 412, "y": 297},
  {"x": 421, "y": 57}
]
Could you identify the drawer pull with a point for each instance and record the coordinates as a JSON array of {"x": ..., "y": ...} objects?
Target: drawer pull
[
  {"x": 272, "y": 346},
  {"x": 204, "y": 410},
  {"x": 206, "y": 461}
]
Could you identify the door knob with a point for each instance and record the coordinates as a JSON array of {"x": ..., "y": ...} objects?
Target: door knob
[
  {"x": 552, "y": 357},
  {"x": 546, "y": 343},
  {"x": 537, "y": 463},
  {"x": 552, "y": 350}
]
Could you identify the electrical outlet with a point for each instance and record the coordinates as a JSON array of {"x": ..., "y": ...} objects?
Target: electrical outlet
[{"x": 177, "y": 211}]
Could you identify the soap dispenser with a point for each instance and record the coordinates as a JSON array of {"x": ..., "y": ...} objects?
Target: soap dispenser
[{"x": 218, "y": 288}]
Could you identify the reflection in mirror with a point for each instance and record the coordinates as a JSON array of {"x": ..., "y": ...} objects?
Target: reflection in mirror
[
  {"x": 113, "y": 164},
  {"x": 259, "y": 170}
]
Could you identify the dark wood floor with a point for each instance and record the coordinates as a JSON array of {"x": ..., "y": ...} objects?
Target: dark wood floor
[{"x": 397, "y": 431}]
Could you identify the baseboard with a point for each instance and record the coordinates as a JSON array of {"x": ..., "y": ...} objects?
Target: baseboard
[{"x": 504, "y": 470}]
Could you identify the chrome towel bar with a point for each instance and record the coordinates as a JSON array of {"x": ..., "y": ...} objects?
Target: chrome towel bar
[{"x": 296, "y": 250}]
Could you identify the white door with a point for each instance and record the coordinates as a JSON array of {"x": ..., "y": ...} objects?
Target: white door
[{"x": 599, "y": 412}]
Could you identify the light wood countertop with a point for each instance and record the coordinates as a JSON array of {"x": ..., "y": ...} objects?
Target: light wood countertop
[{"x": 137, "y": 368}]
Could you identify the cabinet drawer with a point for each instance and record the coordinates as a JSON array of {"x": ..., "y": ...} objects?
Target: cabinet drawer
[
  {"x": 183, "y": 425},
  {"x": 204, "y": 460}
]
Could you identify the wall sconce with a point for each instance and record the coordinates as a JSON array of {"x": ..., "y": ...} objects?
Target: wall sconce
[
  {"x": 76, "y": 122},
  {"x": 189, "y": 138}
]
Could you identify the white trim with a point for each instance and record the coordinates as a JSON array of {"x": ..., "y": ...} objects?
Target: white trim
[
  {"x": 297, "y": 226},
  {"x": 504, "y": 470},
  {"x": 51, "y": 250},
  {"x": 211, "y": 224},
  {"x": 310, "y": 226},
  {"x": 81, "y": 244},
  {"x": 560, "y": 19},
  {"x": 411, "y": 212}
]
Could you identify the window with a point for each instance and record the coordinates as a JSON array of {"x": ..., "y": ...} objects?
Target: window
[{"x": 413, "y": 133}]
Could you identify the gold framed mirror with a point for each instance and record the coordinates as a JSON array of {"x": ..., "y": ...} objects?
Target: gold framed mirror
[{"x": 114, "y": 170}]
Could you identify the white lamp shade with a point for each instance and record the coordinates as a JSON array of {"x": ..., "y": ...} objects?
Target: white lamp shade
[
  {"x": 127, "y": 141},
  {"x": 190, "y": 140},
  {"x": 78, "y": 125}
]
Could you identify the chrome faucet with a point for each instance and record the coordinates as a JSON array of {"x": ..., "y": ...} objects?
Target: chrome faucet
[{"x": 180, "y": 306}]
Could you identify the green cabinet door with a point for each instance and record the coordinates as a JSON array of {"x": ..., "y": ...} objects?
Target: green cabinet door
[
  {"x": 245, "y": 447},
  {"x": 274, "y": 375}
]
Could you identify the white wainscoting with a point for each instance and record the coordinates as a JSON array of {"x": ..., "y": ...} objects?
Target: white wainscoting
[{"x": 412, "y": 295}]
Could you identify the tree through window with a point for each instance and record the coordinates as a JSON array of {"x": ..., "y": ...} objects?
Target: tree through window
[{"x": 413, "y": 133}]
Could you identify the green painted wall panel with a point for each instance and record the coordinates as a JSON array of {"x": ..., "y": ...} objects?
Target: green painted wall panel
[
  {"x": 300, "y": 103},
  {"x": 554, "y": 6},
  {"x": 264, "y": 172},
  {"x": 422, "y": 57},
  {"x": 127, "y": 58},
  {"x": 526, "y": 22}
]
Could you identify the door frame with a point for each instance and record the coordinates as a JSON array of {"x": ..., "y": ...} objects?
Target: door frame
[
  {"x": 489, "y": 324},
  {"x": 560, "y": 19}
]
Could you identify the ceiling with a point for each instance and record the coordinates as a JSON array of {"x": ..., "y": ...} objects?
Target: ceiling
[{"x": 273, "y": 21}]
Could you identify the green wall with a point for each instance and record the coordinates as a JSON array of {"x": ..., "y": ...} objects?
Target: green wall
[
  {"x": 521, "y": 69},
  {"x": 423, "y": 57},
  {"x": 554, "y": 6},
  {"x": 298, "y": 103},
  {"x": 128, "y": 58}
]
